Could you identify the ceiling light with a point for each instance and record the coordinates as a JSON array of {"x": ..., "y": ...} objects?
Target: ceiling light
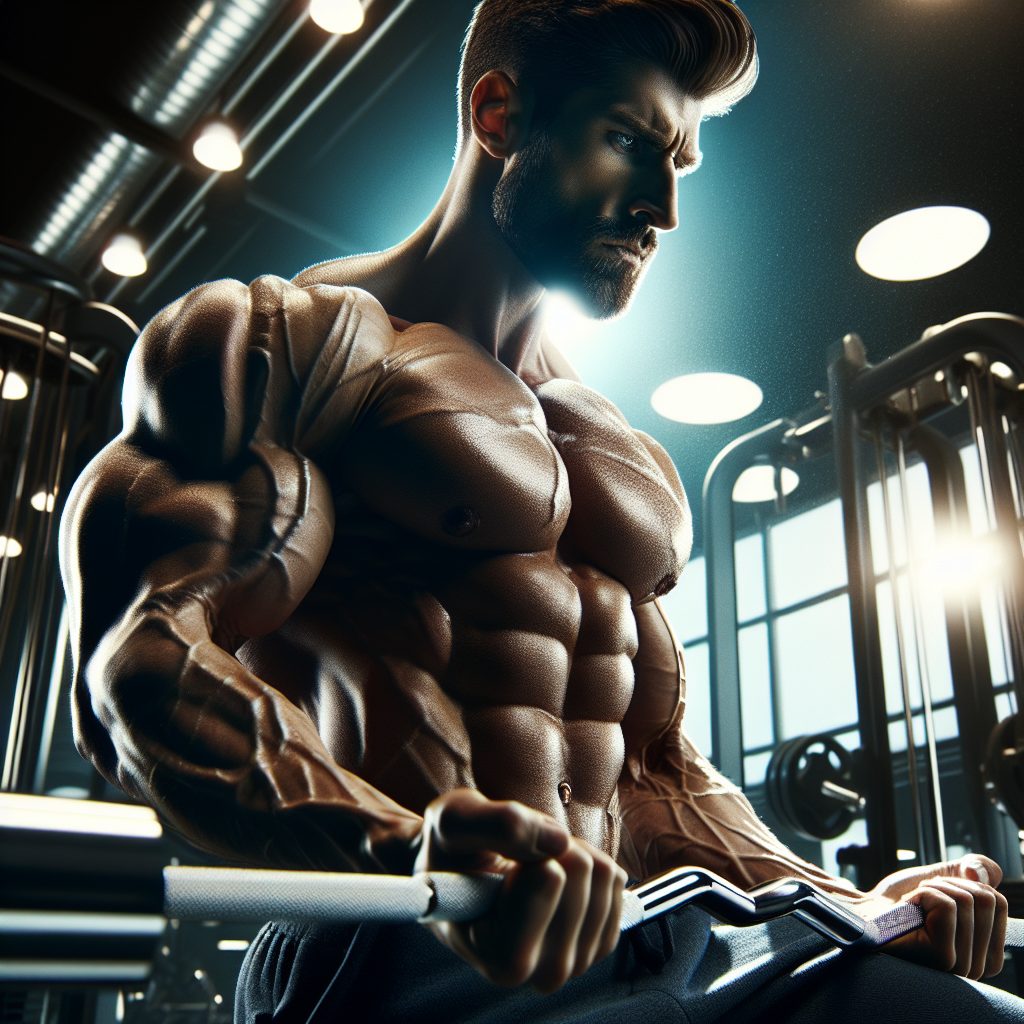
[
  {"x": 922, "y": 243},
  {"x": 9, "y": 548},
  {"x": 706, "y": 398},
  {"x": 14, "y": 387},
  {"x": 217, "y": 147},
  {"x": 757, "y": 483},
  {"x": 337, "y": 16},
  {"x": 124, "y": 256},
  {"x": 43, "y": 502}
]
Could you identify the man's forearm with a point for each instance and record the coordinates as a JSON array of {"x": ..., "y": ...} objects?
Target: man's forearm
[
  {"x": 226, "y": 759},
  {"x": 677, "y": 809}
]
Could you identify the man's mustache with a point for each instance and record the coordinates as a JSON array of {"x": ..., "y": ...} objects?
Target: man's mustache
[{"x": 642, "y": 238}]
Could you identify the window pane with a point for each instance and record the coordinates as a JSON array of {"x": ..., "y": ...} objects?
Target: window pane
[
  {"x": 755, "y": 768},
  {"x": 1004, "y": 706},
  {"x": 686, "y": 606},
  {"x": 856, "y": 834},
  {"x": 808, "y": 556},
  {"x": 698, "y": 697},
  {"x": 755, "y": 686},
  {"x": 815, "y": 686},
  {"x": 995, "y": 632},
  {"x": 977, "y": 507},
  {"x": 750, "y": 600},
  {"x": 934, "y": 647},
  {"x": 946, "y": 726},
  {"x": 920, "y": 510}
]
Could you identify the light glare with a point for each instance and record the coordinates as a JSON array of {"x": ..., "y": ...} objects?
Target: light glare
[
  {"x": 706, "y": 398},
  {"x": 565, "y": 323},
  {"x": 962, "y": 563},
  {"x": 217, "y": 147},
  {"x": 124, "y": 256},
  {"x": 337, "y": 16},
  {"x": 922, "y": 243},
  {"x": 14, "y": 387},
  {"x": 59, "y": 814},
  {"x": 43, "y": 502},
  {"x": 757, "y": 483},
  {"x": 9, "y": 547}
]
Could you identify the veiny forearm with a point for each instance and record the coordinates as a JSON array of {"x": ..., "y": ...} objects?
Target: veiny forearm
[
  {"x": 677, "y": 810},
  {"x": 225, "y": 758}
]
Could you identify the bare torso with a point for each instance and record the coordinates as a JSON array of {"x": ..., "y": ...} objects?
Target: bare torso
[{"x": 474, "y": 622}]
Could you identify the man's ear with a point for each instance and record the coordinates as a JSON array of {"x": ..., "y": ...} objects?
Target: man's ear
[{"x": 496, "y": 114}]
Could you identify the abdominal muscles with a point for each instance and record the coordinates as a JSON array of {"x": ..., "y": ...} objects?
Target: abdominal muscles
[{"x": 507, "y": 673}]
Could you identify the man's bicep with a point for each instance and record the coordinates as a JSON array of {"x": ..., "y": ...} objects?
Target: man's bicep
[{"x": 203, "y": 493}]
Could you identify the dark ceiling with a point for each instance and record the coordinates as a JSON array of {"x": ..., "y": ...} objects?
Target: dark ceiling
[{"x": 864, "y": 108}]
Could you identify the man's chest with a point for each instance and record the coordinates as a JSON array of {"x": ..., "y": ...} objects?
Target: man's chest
[{"x": 457, "y": 451}]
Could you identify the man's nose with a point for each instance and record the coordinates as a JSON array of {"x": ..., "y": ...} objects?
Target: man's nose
[{"x": 657, "y": 204}]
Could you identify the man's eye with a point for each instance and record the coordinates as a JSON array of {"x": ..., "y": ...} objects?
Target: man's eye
[{"x": 624, "y": 143}]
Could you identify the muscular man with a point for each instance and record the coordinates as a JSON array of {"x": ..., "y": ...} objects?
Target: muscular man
[{"x": 370, "y": 580}]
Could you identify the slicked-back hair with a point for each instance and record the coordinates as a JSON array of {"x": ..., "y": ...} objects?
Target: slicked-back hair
[{"x": 551, "y": 48}]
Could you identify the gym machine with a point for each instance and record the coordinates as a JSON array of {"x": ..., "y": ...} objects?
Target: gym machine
[{"x": 959, "y": 386}]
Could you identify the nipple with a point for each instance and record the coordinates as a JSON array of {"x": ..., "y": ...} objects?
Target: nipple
[
  {"x": 460, "y": 521},
  {"x": 665, "y": 584}
]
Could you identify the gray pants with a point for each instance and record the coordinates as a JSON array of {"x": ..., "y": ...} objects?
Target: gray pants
[{"x": 680, "y": 970}]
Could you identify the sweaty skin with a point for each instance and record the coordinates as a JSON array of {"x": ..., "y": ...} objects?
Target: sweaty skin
[
  {"x": 350, "y": 592},
  {"x": 401, "y": 570}
]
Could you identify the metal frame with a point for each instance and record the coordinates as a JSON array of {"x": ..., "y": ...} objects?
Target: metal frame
[{"x": 858, "y": 393}]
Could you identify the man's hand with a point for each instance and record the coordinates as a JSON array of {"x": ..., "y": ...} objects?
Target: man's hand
[
  {"x": 559, "y": 908},
  {"x": 965, "y": 918}
]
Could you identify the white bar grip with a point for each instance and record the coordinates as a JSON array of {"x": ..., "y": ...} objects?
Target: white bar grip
[{"x": 241, "y": 894}]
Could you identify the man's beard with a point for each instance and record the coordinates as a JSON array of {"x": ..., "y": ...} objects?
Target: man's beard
[{"x": 560, "y": 251}]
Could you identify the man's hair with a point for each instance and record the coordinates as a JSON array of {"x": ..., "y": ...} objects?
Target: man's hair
[{"x": 552, "y": 48}]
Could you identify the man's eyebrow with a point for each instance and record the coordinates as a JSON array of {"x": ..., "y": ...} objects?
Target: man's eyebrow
[{"x": 654, "y": 137}]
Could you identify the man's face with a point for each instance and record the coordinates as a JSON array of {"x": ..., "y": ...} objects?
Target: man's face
[{"x": 581, "y": 201}]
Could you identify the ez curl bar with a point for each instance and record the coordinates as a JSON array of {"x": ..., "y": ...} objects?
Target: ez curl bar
[{"x": 200, "y": 893}]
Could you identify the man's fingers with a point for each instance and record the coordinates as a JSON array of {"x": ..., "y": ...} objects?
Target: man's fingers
[
  {"x": 980, "y": 868},
  {"x": 509, "y": 942},
  {"x": 465, "y": 822},
  {"x": 560, "y": 904},
  {"x": 565, "y": 933},
  {"x": 997, "y": 944},
  {"x": 966, "y": 925},
  {"x": 940, "y": 926},
  {"x": 600, "y": 932},
  {"x": 984, "y": 902}
]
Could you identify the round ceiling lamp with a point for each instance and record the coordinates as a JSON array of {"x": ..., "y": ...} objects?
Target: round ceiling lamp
[
  {"x": 124, "y": 256},
  {"x": 337, "y": 16},
  {"x": 217, "y": 147},
  {"x": 922, "y": 243},
  {"x": 15, "y": 387},
  {"x": 43, "y": 502},
  {"x": 9, "y": 547},
  {"x": 706, "y": 398},
  {"x": 757, "y": 483}
]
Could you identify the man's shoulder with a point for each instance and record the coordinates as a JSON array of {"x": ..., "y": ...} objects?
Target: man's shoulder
[{"x": 224, "y": 306}]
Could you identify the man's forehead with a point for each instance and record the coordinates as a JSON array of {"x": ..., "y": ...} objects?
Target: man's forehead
[{"x": 648, "y": 96}]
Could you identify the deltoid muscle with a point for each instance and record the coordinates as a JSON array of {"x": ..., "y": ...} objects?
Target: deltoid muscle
[{"x": 204, "y": 523}]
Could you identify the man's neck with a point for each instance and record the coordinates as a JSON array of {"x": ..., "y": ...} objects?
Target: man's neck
[{"x": 457, "y": 269}]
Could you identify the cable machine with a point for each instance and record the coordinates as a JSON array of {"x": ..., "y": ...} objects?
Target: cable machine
[{"x": 951, "y": 400}]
